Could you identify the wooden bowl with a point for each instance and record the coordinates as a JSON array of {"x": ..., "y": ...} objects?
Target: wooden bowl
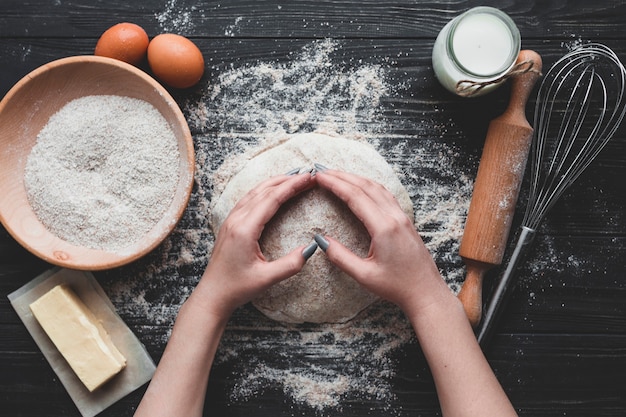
[{"x": 25, "y": 110}]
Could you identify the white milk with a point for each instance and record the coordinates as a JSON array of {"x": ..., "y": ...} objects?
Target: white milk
[{"x": 480, "y": 45}]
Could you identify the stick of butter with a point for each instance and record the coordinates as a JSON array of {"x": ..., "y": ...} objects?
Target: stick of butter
[{"x": 79, "y": 336}]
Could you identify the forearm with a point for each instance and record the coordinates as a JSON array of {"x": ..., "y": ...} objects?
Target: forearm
[
  {"x": 465, "y": 383},
  {"x": 179, "y": 384}
]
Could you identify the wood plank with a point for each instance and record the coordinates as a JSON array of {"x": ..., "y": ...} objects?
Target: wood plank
[{"x": 303, "y": 18}]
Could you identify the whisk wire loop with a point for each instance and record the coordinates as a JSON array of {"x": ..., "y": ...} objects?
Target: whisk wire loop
[{"x": 579, "y": 107}]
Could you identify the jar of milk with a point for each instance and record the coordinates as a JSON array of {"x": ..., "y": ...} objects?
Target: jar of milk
[{"x": 474, "y": 51}]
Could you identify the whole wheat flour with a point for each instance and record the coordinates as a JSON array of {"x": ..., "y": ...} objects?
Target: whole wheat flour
[{"x": 103, "y": 171}]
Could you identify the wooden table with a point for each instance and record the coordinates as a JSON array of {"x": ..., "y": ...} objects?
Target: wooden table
[{"x": 560, "y": 348}]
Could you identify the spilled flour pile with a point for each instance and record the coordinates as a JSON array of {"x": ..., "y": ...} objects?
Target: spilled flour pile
[
  {"x": 316, "y": 366},
  {"x": 306, "y": 93}
]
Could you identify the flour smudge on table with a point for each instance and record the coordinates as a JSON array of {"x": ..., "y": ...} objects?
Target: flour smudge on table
[
  {"x": 176, "y": 17},
  {"x": 317, "y": 89}
]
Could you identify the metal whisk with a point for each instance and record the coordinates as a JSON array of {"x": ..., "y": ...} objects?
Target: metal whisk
[{"x": 579, "y": 107}]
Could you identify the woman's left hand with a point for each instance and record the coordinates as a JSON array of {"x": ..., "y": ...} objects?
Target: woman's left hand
[{"x": 238, "y": 271}]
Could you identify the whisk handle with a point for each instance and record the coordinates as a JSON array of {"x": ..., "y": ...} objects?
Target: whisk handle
[{"x": 506, "y": 283}]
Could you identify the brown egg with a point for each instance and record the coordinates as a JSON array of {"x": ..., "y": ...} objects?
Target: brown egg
[
  {"x": 125, "y": 41},
  {"x": 175, "y": 60}
]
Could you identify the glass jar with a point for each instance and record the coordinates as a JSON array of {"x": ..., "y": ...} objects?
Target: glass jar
[{"x": 475, "y": 50}]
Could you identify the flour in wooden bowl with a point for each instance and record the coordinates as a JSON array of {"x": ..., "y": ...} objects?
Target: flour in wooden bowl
[{"x": 103, "y": 171}]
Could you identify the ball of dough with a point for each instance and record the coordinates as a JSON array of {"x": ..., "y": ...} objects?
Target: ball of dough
[{"x": 320, "y": 293}]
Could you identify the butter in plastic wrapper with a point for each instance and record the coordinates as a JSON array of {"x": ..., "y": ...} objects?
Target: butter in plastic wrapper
[{"x": 139, "y": 368}]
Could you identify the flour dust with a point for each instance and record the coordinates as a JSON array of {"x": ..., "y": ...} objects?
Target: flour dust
[
  {"x": 176, "y": 17},
  {"x": 316, "y": 366}
]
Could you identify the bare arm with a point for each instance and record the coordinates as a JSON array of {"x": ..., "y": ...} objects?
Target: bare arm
[
  {"x": 236, "y": 273},
  {"x": 400, "y": 269},
  {"x": 179, "y": 384}
]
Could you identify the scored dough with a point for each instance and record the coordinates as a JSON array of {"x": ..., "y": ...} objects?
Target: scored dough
[{"x": 320, "y": 293}]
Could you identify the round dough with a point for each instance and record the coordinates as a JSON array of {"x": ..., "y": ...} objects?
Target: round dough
[{"x": 320, "y": 293}]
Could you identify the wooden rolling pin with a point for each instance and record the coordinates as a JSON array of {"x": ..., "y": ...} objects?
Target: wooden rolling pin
[{"x": 496, "y": 188}]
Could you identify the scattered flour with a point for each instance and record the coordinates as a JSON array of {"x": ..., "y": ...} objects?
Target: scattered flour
[
  {"x": 309, "y": 92},
  {"x": 574, "y": 43},
  {"x": 316, "y": 366},
  {"x": 233, "y": 30},
  {"x": 175, "y": 17}
]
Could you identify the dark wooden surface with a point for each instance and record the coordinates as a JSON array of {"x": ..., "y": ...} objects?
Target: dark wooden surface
[{"x": 560, "y": 348}]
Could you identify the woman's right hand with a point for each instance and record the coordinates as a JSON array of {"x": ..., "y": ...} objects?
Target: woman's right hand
[{"x": 398, "y": 267}]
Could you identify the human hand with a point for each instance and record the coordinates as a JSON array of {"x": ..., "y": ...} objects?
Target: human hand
[
  {"x": 238, "y": 271},
  {"x": 398, "y": 267}
]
